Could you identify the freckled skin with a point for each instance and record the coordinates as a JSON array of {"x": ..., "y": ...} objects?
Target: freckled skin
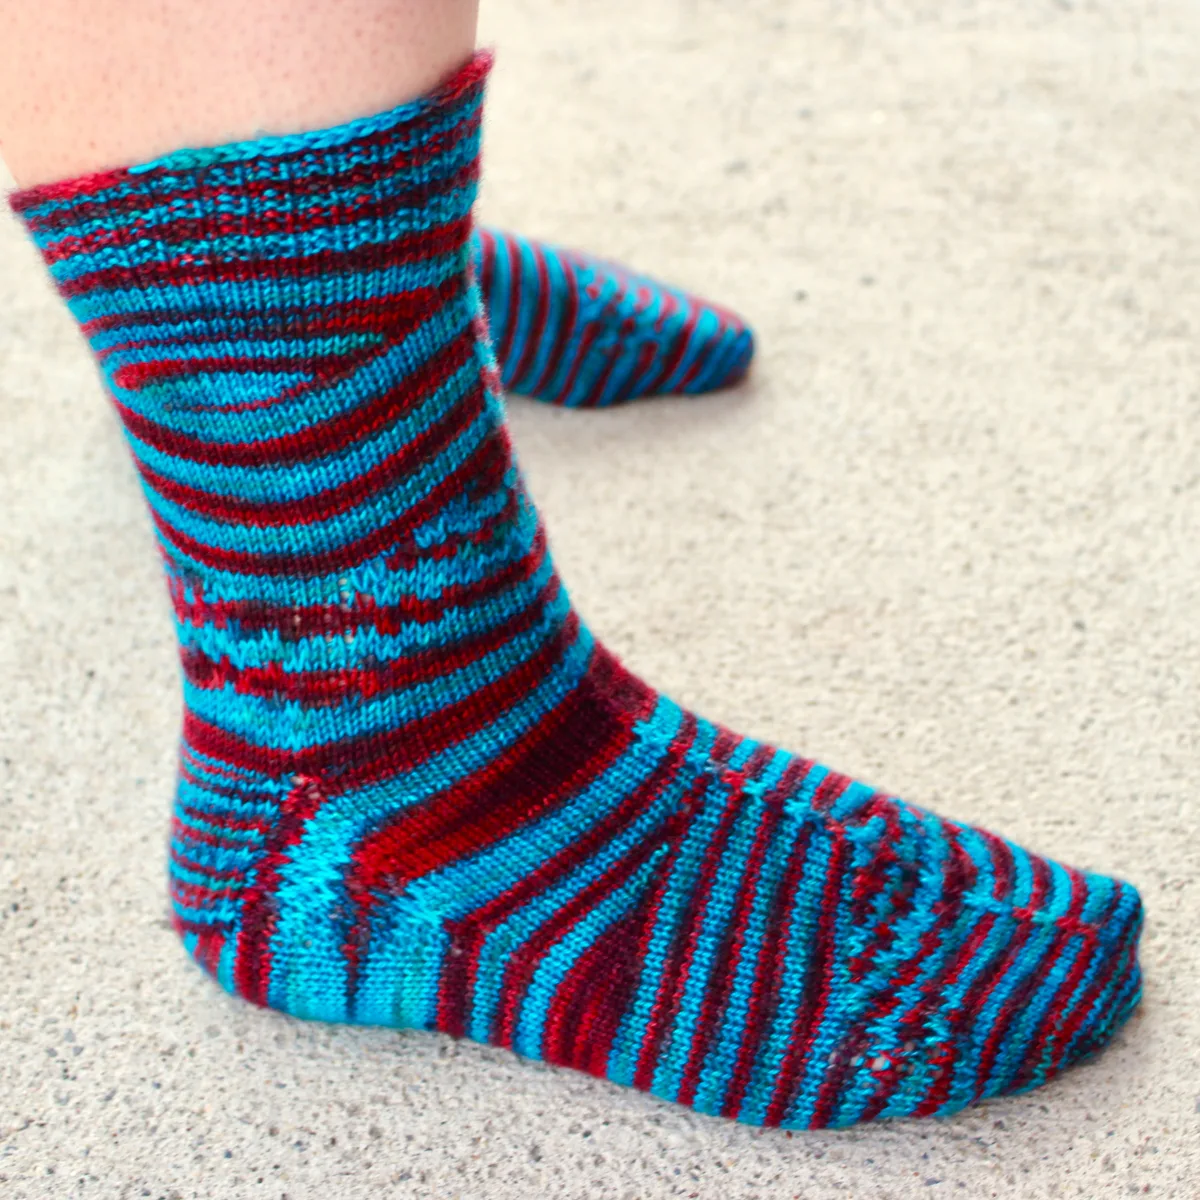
[{"x": 203, "y": 74}]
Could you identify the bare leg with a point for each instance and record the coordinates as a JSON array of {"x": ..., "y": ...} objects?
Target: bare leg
[{"x": 87, "y": 85}]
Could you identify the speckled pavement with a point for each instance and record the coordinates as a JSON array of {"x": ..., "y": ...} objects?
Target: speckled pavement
[{"x": 947, "y": 538}]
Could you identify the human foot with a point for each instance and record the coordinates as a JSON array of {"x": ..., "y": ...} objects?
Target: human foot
[
  {"x": 575, "y": 330},
  {"x": 413, "y": 788}
]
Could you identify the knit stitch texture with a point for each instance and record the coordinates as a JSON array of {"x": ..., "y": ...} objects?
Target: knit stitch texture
[
  {"x": 413, "y": 789},
  {"x": 572, "y": 329}
]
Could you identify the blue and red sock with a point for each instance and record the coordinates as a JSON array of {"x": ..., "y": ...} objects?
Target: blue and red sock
[
  {"x": 414, "y": 790},
  {"x": 575, "y": 330}
]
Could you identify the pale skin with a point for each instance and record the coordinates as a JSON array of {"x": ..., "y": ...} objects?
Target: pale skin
[{"x": 87, "y": 85}]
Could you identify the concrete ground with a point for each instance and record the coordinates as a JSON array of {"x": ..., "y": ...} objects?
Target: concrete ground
[{"x": 947, "y": 539}]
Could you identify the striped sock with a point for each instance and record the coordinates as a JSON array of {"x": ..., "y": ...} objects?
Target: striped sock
[
  {"x": 413, "y": 789},
  {"x": 574, "y": 330}
]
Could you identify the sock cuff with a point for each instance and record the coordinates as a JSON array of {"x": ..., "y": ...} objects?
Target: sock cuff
[{"x": 411, "y": 168}]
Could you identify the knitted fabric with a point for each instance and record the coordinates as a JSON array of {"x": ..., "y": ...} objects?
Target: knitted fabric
[
  {"x": 574, "y": 330},
  {"x": 413, "y": 788}
]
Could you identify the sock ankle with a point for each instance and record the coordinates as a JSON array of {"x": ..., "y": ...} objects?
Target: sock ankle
[{"x": 413, "y": 788}]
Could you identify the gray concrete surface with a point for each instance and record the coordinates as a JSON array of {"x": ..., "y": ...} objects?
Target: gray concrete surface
[{"x": 946, "y": 539}]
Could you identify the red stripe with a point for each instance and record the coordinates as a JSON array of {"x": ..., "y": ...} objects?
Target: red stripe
[
  {"x": 191, "y": 895},
  {"x": 567, "y": 314},
  {"x": 487, "y": 258},
  {"x": 245, "y": 784},
  {"x": 252, "y": 968},
  {"x": 586, "y": 1012},
  {"x": 184, "y": 271},
  {"x": 1025, "y": 986},
  {"x": 535, "y": 334},
  {"x": 222, "y": 877},
  {"x": 957, "y": 867},
  {"x": 473, "y": 930},
  {"x": 768, "y": 973},
  {"x": 727, "y": 959},
  {"x": 583, "y": 348},
  {"x": 321, "y": 438},
  {"x": 525, "y": 958},
  {"x": 330, "y": 620},
  {"x": 323, "y": 506},
  {"x": 1060, "y": 1039},
  {"x": 831, "y": 788},
  {"x": 724, "y": 744},
  {"x": 818, "y": 983},
  {"x": 594, "y": 397},
  {"x": 307, "y": 209},
  {"x": 504, "y": 350},
  {"x": 1043, "y": 1037},
  {"x": 222, "y": 820},
  {"x": 760, "y": 758},
  {"x": 360, "y": 761},
  {"x": 208, "y": 951},
  {"x": 539, "y": 773},
  {"x": 700, "y": 362},
  {"x": 676, "y": 357},
  {"x": 320, "y": 368},
  {"x": 683, "y": 951},
  {"x": 192, "y": 838},
  {"x": 315, "y": 689},
  {"x": 390, "y": 315},
  {"x": 1085, "y": 1007},
  {"x": 183, "y": 926},
  {"x": 488, "y": 463},
  {"x": 209, "y": 942},
  {"x": 645, "y": 360}
]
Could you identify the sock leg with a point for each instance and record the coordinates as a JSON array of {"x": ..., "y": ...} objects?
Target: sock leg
[
  {"x": 414, "y": 789},
  {"x": 574, "y": 330}
]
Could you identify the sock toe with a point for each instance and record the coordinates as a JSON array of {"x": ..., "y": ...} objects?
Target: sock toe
[
  {"x": 973, "y": 969},
  {"x": 1087, "y": 1029},
  {"x": 1081, "y": 983},
  {"x": 728, "y": 362}
]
